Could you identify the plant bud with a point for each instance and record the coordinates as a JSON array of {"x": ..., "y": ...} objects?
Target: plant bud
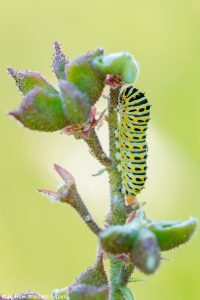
[
  {"x": 123, "y": 65},
  {"x": 91, "y": 284},
  {"x": 88, "y": 292},
  {"x": 94, "y": 276},
  {"x": 145, "y": 252},
  {"x": 171, "y": 234},
  {"x": 118, "y": 239}
]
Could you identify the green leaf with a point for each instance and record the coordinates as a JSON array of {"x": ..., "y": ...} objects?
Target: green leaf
[
  {"x": 85, "y": 76},
  {"x": 26, "y": 81},
  {"x": 118, "y": 239},
  {"x": 41, "y": 111},
  {"x": 75, "y": 104},
  {"x": 126, "y": 292},
  {"x": 171, "y": 234}
]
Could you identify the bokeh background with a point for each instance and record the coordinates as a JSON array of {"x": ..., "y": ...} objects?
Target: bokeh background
[{"x": 45, "y": 246}]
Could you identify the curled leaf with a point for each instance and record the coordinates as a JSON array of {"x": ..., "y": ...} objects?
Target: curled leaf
[{"x": 171, "y": 234}]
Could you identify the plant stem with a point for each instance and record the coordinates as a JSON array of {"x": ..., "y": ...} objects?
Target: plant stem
[
  {"x": 97, "y": 150},
  {"x": 74, "y": 199},
  {"x": 115, "y": 267},
  {"x": 125, "y": 274},
  {"x": 118, "y": 208}
]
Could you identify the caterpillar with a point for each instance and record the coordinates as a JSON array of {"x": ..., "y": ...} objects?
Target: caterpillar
[{"x": 131, "y": 145}]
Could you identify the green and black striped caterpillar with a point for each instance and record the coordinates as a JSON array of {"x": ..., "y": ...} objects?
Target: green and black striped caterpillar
[{"x": 134, "y": 115}]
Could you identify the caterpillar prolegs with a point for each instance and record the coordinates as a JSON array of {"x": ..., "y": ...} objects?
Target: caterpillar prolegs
[{"x": 134, "y": 115}]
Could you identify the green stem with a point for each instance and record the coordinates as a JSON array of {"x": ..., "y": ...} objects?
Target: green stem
[
  {"x": 96, "y": 149},
  {"x": 119, "y": 276},
  {"x": 125, "y": 274},
  {"x": 115, "y": 267},
  {"x": 118, "y": 208},
  {"x": 74, "y": 199}
]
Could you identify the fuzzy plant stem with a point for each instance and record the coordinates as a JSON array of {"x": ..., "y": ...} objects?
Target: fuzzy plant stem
[
  {"x": 125, "y": 274},
  {"x": 97, "y": 150},
  {"x": 74, "y": 199},
  {"x": 118, "y": 208}
]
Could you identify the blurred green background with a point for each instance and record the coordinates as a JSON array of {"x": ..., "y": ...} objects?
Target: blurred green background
[{"x": 45, "y": 246}]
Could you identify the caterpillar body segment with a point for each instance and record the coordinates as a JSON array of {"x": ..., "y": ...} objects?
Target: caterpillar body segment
[{"x": 134, "y": 115}]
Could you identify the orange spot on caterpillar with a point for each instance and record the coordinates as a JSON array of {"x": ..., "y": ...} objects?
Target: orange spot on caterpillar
[{"x": 130, "y": 199}]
